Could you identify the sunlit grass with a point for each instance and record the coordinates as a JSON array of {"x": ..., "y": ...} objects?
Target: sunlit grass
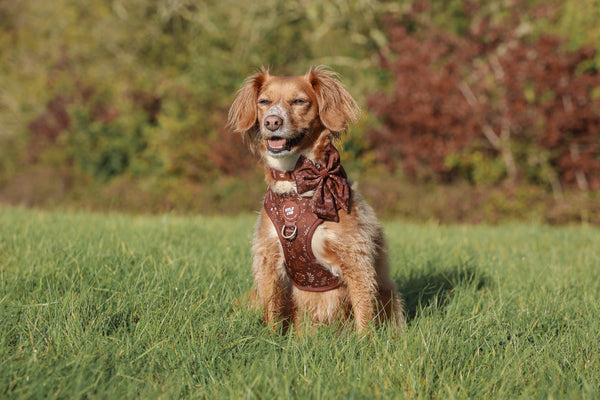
[{"x": 104, "y": 306}]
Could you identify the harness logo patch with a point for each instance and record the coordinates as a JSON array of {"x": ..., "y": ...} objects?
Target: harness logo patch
[{"x": 290, "y": 211}]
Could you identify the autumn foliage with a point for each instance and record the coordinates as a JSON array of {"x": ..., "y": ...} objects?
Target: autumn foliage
[
  {"x": 490, "y": 105},
  {"x": 475, "y": 111}
]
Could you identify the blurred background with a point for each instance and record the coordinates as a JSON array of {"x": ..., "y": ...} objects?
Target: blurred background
[{"x": 473, "y": 111}]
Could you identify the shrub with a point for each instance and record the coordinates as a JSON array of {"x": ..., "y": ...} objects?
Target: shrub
[{"x": 460, "y": 103}]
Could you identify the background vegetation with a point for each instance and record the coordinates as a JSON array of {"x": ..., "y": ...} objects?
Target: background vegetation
[
  {"x": 114, "y": 306},
  {"x": 471, "y": 112}
]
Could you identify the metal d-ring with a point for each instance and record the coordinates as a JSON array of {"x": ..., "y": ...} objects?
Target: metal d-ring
[{"x": 291, "y": 236}]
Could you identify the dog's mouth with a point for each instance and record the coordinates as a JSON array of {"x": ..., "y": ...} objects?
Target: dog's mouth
[{"x": 278, "y": 144}]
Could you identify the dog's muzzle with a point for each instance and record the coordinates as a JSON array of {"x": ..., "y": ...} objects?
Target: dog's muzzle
[{"x": 277, "y": 142}]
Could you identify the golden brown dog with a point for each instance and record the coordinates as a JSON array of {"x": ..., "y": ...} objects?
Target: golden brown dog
[{"x": 344, "y": 271}]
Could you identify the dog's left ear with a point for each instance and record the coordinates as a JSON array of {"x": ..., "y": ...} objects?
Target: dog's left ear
[
  {"x": 337, "y": 109},
  {"x": 243, "y": 112}
]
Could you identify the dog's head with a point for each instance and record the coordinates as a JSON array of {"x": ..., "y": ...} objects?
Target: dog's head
[{"x": 284, "y": 117}]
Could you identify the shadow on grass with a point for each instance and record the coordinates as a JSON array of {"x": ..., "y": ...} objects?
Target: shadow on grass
[{"x": 435, "y": 289}]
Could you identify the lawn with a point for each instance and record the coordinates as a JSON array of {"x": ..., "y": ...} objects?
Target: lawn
[{"x": 117, "y": 306}]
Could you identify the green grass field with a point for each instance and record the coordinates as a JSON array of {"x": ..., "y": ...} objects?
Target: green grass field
[{"x": 113, "y": 306}]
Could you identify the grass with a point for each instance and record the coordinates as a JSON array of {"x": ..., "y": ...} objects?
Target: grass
[{"x": 115, "y": 306}]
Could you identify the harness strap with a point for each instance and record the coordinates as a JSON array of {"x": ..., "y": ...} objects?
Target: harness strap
[{"x": 295, "y": 224}]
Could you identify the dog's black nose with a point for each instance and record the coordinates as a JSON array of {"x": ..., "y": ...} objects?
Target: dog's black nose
[{"x": 273, "y": 122}]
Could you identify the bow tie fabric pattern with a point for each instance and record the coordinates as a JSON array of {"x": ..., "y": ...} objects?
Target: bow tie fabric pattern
[{"x": 330, "y": 183}]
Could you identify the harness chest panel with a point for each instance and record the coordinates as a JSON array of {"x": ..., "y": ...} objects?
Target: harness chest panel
[{"x": 295, "y": 224}]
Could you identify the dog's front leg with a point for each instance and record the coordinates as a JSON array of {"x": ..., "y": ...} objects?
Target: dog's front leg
[
  {"x": 361, "y": 292},
  {"x": 275, "y": 302},
  {"x": 358, "y": 274},
  {"x": 272, "y": 289}
]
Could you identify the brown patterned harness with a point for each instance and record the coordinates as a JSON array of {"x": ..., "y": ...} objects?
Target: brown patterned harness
[{"x": 296, "y": 218}]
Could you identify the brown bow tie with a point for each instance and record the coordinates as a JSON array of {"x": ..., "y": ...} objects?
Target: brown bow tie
[{"x": 329, "y": 182}]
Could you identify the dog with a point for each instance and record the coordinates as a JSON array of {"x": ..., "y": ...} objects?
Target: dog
[{"x": 319, "y": 253}]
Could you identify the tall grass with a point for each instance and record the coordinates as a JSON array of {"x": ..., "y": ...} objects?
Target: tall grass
[{"x": 109, "y": 306}]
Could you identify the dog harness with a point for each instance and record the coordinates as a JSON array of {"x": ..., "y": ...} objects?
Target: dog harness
[{"x": 296, "y": 218}]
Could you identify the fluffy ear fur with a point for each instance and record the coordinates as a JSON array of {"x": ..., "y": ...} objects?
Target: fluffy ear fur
[
  {"x": 337, "y": 109},
  {"x": 243, "y": 112}
]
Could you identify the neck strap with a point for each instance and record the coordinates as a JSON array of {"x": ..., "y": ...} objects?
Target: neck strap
[{"x": 281, "y": 175}]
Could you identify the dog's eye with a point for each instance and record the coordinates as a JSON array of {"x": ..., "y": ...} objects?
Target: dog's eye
[
  {"x": 264, "y": 102},
  {"x": 299, "y": 102}
]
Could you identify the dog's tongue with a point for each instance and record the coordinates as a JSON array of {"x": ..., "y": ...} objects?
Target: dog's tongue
[{"x": 276, "y": 143}]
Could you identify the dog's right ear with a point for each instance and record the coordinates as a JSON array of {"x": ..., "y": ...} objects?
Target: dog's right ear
[{"x": 244, "y": 112}]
